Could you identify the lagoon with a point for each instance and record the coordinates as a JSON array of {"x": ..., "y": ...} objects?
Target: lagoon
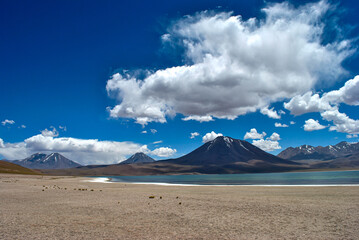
[{"x": 330, "y": 178}]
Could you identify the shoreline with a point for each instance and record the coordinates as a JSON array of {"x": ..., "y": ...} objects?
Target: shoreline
[
  {"x": 223, "y": 185},
  {"x": 235, "y": 185}
]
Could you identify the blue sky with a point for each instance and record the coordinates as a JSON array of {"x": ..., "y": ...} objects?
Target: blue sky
[{"x": 88, "y": 78}]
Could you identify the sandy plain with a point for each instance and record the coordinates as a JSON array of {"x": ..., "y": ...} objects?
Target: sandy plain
[{"x": 45, "y": 207}]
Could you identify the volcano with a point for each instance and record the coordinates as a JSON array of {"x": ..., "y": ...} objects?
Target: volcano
[
  {"x": 138, "y": 158},
  {"x": 227, "y": 150},
  {"x": 43, "y": 161}
]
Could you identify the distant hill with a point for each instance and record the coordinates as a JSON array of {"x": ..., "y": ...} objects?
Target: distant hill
[
  {"x": 347, "y": 162},
  {"x": 138, "y": 158},
  {"x": 43, "y": 161},
  {"x": 8, "y": 167},
  {"x": 305, "y": 152},
  {"x": 223, "y": 155}
]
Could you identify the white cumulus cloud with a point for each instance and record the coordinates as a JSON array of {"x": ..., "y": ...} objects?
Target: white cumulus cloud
[
  {"x": 280, "y": 125},
  {"x": 164, "y": 152},
  {"x": 342, "y": 123},
  {"x": 266, "y": 145},
  {"x": 193, "y": 135},
  {"x": 328, "y": 106},
  {"x": 348, "y": 94},
  {"x": 210, "y": 136},
  {"x": 231, "y": 68},
  {"x": 312, "y": 125},
  {"x": 274, "y": 137},
  {"x": 271, "y": 112},
  {"x": 306, "y": 103},
  {"x": 253, "y": 134},
  {"x": 7, "y": 121},
  {"x": 198, "y": 118},
  {"x": 50, "y": 133},
  {"x": 269, "y": 144}
]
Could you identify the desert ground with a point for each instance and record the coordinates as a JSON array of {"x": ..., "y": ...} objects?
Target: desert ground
[{"x": 45, "y": 207}]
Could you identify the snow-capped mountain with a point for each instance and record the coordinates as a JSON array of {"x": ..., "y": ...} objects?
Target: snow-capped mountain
[
  {"x": 43, "y": 161},
  {"x": 138, "y": 158},
  {"x": 305, "y": 152}
]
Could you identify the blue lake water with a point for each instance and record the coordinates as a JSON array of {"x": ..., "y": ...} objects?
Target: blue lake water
[{"x": 291, "y": 178}]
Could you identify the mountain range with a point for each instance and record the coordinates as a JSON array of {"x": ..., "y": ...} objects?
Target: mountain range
[
  {"x": 307, "y": 152},
  {"x": 44, "y": 161},
  {"x": 343, "y": 155},
  {"x": 223, "y": 155}
]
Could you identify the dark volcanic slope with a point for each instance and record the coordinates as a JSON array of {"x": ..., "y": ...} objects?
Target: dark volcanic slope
[
  {"x": 8, "y": 167},
  {"x": 138, "y": 158},
  {"x": 304, "y": 152},
  {"x": 43, "y": 161},
  {"x": 226, "y": 150}
]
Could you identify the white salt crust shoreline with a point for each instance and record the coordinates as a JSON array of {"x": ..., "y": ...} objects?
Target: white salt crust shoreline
[{"x": 108, "y": 180}]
